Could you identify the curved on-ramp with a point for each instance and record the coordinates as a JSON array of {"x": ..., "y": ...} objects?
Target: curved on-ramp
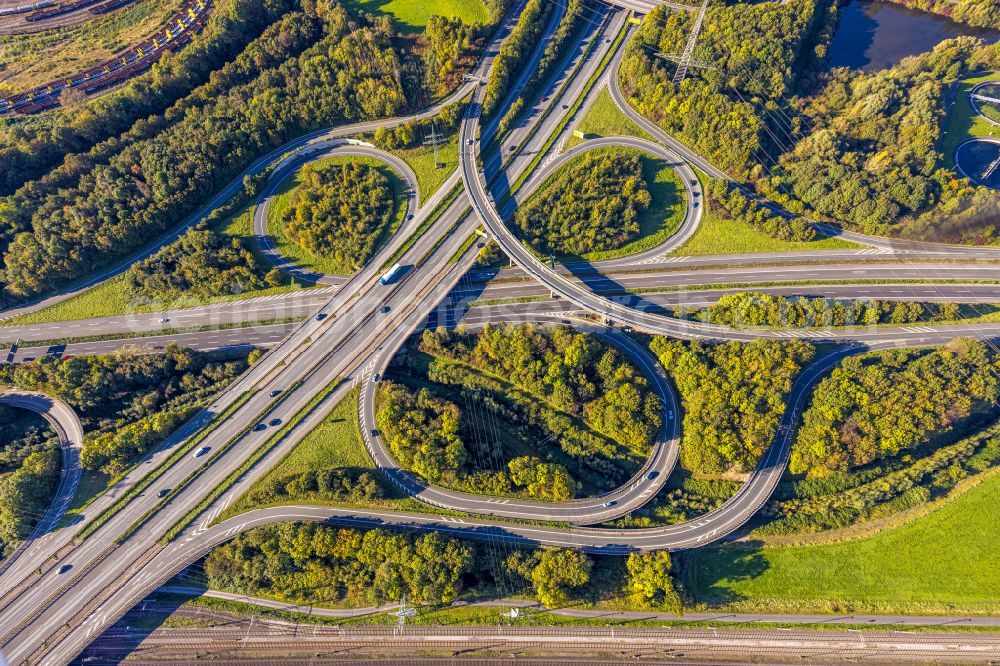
[
  {"x": 635, "y": 492},
  {"x": 689, "y": 180},
  {"x": 289, "y": 166},
  {"x": 67, "y": 426}
]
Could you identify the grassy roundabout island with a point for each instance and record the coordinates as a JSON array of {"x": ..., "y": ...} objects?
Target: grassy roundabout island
[
  {"x": 518, "y": 410},
  {"x": 334, "y": 213},
  {"x": 608, "y": 203}
]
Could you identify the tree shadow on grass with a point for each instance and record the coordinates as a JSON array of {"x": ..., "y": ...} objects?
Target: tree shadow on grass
[{"x": 708, "y": 572}]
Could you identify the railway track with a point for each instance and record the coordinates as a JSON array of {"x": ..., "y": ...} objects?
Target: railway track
[
  {"x": 249, "y": 639},
  {"x": 137, "y": 58}
]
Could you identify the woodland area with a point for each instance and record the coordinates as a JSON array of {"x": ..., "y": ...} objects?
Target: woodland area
[
  {"x": 751, "y": 309},
  {"x": 340, "y": 211},
  {"x": 591, "y": 205},
  {"x": 858, "y": 148},
  {"x": 29, "y": 472},
  {"x": 514, "y": 53},
  {"x": 868, "y": 151},
  {"x": 733, "y": 396},
  {"x": 306, "y": 563},
  {"x": 312, "y": 68},
  {"x": 126, "y": 402},
  {"x": 243, "y": 37},
  {"x": 200, "y": 263},
  {"x": 854, "y": 417},
  {"x": 977, "y": 13},
  {"x": 577, "y": 416},
  {"x": 755, "y": 50}
]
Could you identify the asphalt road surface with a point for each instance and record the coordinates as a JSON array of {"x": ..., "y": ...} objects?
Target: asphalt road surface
[{"x": 49, "y": 613}]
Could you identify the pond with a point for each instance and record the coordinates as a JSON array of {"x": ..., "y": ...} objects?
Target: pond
[
  {"x": 979, "y": 160},
  {"x": 875, "y": 35}
]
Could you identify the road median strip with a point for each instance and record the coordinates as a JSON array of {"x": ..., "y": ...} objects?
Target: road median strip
[
  {"x": 218, "y": 453},
  {"x": 254, "y": 458}
]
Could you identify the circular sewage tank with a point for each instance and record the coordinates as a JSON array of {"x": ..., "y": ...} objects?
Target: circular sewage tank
[
  {"x": 979, "y": 161},
  {"x": 985, "y": 101}
]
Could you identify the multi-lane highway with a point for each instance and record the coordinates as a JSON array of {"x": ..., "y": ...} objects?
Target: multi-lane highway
[{"x": 56, "y": 599}]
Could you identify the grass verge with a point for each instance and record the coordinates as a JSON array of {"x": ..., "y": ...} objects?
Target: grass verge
[
  {"x": 603, "y": 119},
  {"x": 719, "y": 235},
  {"x": 944, "y": 562}
]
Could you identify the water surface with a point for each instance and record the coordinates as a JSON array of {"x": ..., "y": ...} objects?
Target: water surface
[{"x": 874, "y": 35}]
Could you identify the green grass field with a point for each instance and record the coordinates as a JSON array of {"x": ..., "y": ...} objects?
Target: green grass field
[
  {"x": 603, "y": 119},
  {"x": 963, "y": 123},
  {"x": 421, "y": 160},
  {"x": 412, "y": 15},
  {"x": 334, "y": 443},
  {"x": 945, "y": 562},
  {"x": 283, "y": 199},
  {"x": 716, "y": 235}
]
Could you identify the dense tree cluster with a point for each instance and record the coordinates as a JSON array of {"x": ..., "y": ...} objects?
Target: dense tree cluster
[
  {"x": 978, "y": 13},
  {"x": 127, "y": 402},
  {"x": 871, "y": 157},
  {"x": 553, "y": 572},
  {"x": 448, "y": 53},
  {"x": 29, "y": 471},
  {"x": 440, "y": 418},
  {"x": 593, "y": 205},
  {"x": 531, "y": 425},
  {"x": 227, "y": 47},
  {"x": 313, "y": 563},
  {"x": 328, "y": 485},
  {"x": 572, "y": 371},
  {"x": 421, "y": 430},
  {"x": 735, "y": 205},
  {"x": 306, "y": 563},
  {"x": 754, "y": 49},
  {"x": 340, "y": 211},
  {"x": 202, "y": 263},
  {"x": 105, "y": 204},
  {"x": 24, "y": 493},
  {"x": 751, "y": 309},
  {"x": 515, "y": 52},
  {"x": 733, "y": 396},
  {"x": 649, "y": 580},
  {"x": 855, "y": 417}
]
